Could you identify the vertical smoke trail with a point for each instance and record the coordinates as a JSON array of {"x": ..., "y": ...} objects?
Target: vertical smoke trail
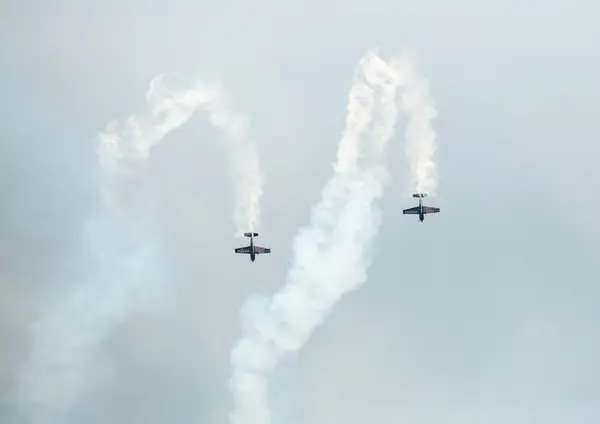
[
  {"x": 129, "y": 269},
  {"x": 245, "y": 165},
  {"x": 421, "y": 138},
  {"x": 331, "y": 255}
]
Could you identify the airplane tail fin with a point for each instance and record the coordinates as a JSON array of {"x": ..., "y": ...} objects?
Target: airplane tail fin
[
  {"x": 421, "y": 195},
  {"x": 250, "y": 234}
]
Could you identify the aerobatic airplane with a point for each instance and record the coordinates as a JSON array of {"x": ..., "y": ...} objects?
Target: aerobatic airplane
[
  {"x": 420, "y": 210},
  {"x": 252, "y": 250}
]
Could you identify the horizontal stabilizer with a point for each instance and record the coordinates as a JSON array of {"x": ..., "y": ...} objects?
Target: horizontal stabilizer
[
  {"x": 417, "y": 195},
  {"x": 250, "y": 234}
]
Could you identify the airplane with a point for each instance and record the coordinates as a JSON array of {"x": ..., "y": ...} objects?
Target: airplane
[
  {"x": 252, "y": 250},
  {"x": 420, "y": 210}
]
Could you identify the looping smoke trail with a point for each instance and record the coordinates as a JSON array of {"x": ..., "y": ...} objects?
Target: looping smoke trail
[
  {"x": 129, "y": 270},
  {"x": 421, "y": 145},
  {"x": 172, "y": 109},
  {"x": 331, "y": 255}
]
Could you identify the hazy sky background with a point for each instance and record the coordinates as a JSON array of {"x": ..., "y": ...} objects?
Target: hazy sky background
[{"x": 485, "y": 313}]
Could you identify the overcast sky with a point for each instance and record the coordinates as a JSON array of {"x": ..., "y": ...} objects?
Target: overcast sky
[{"x": 485, "y": 313}]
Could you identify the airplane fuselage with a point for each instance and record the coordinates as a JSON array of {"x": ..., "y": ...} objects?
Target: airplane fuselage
[
  {"x": 252, "y": 253},
  {"x": 421, "y": 214}
]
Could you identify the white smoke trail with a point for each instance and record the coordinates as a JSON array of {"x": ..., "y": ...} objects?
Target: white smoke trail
[
  {"x": 245, "y": 165},
  {"x": 124, "y": 246},
  {"x": 331, "y": 255},
  {"x": 421, "y": 138},
  {"x": 177, "y": 107},
  {"x": 128, "y": 271}
]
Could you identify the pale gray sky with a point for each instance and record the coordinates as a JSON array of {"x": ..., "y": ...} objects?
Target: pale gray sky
[{"x": 485, "y": 313}]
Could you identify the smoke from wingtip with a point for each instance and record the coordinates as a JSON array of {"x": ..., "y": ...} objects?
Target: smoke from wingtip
[
  {"x": 421, "y": 146},
  {"x": 331, "y": 256}
]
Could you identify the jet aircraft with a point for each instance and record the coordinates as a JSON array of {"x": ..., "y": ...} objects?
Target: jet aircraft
[
  {"x": 252, "y": 250},
  {"x": 420, "y": 210}
]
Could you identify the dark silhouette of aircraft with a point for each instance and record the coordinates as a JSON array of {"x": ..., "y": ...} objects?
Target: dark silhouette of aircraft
[
  {"x": 420, "y": 210},
  {"x": 252, "y": 250}
]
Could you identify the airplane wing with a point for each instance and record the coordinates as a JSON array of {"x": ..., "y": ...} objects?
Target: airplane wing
[
  {"x": 411, "y": 211},
  {"x": 429, "y": 209},
  {"x": 258, "y": 249},
  {"x": 245, "y": 250}
]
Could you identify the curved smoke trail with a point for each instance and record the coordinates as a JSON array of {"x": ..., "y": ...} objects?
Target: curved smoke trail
[
  {"x": 132, "y": 141},
  {"x": 331, "y": 256},
  {"x": 129, "y": 272}
]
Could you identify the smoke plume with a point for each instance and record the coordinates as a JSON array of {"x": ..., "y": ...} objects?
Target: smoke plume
[
  {"x": 245, "y": 165},
  {"x": 331, "y": 255},
  {"x": 421, "y": 145},
  {"x": 128, "y": 270},
  {"x": 125, "y": 245}
]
